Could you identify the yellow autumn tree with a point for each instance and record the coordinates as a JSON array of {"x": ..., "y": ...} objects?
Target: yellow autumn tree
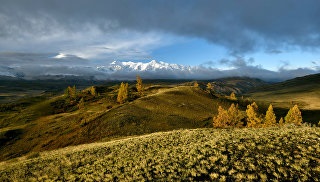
[
  {"x": 195, "y": 84},
  {"x": 253, "y": 119},
  {"x": 209, "y": 86},
  {"x": 294, "y": 116},
  {"x": 270, "y": 118},
  {"x": 81, "y": 103},
  {"x": 139, "y": 85},
  {"x": 281, "y": 121},
  {"x": 221, "y": 120},
  {"x": 234, "y": 115},
  {"x": 71, "y": 92},
  {"x": 93, "y": 91},
  {"x": 122, "y": 93},
  {"x": 233, "y": 96},
  {"x": 230, "y": 117}
]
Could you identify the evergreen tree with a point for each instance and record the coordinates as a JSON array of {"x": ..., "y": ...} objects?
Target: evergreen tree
[
  {"x": 270, "y": 119},
  {"x": 139, "y": 85},
  {"x": 294, "y": 116},
  {"x": 123, "y": 93},
  {"x": 253, "y": 119}
]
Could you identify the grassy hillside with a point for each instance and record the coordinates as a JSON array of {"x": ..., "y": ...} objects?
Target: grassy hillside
[
  {"x": 38, "y": 127},
  {"x": 304, "y": 91},
  {"x": 265, "y": 154}
]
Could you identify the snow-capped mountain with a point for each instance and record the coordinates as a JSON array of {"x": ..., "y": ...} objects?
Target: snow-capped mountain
[
  {"x": 142, "y": 67},
  {"x": 48, "y": 66}
]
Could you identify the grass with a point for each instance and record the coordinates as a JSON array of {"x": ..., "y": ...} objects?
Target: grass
[
  {"x": 164, "y": 108},
  {"x": 265, "y": 154},
  {"x": 303, "y": 91}
]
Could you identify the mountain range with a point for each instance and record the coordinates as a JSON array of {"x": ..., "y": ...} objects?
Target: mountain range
[{"x": 57, "y": 66}]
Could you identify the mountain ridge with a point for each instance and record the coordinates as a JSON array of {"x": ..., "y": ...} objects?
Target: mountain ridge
[{"x": 47, "y": 66}]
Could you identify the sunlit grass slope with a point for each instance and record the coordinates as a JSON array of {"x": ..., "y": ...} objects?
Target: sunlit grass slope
[
  {"x": 304, "y": 91},
  {"x": 37, "y": 128},
  {"x": 265, "y": 154}
]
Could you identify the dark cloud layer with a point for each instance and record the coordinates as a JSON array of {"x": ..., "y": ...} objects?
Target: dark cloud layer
[{"x": 240, "y": 26}]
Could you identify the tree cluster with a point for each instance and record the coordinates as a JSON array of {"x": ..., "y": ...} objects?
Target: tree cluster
[
  {"x": 230, "y": 117},
  {"x": 233, "y": 117}
]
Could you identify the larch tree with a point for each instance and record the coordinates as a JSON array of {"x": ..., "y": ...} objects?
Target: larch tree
[
  {"x": 93, "y": 91},
  {"x": 221, "y": 120},
  {"x": 139, "y": 85},
  {"x": 71, "y": 95},
  {"x": 209, "y": 86},
  {"x": 122, "y": 93},
  {"x": 195, "y": 84},
  {"x": 281, "y": 121},
  {"x": 71, "y": 92},
  {"x": 81, "y": 103},
  {"x": 234, "y": 115},
  {"x": 253, "y": 119},
  {"x": 294, "y": 116},
  {"x": 270, "y": 118},
  {"x": 233, "y": 96},
  {"x": 230, "y": 117}
]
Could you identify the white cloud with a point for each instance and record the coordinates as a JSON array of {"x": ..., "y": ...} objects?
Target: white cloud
[{"x": 33, "y": 66}]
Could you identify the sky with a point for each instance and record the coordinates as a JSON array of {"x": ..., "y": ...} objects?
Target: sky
[{"x": 215, "y": 34}]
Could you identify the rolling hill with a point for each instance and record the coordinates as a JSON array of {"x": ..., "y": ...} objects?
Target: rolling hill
[
  {"x": 39, "y": 127},
  {"x": 304, "y": 91},
  {"x": 43, "y": 123},
  {"x": 265, "y": 154}
]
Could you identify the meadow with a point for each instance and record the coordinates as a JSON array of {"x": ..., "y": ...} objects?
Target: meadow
[
  {"x": 154, "y": 136},
  {"x": 263, "y": 154}
]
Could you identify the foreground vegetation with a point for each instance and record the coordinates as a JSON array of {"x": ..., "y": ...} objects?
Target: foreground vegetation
[{"x": 263, "y": 154}]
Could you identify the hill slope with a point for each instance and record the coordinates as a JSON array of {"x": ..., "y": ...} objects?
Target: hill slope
[
  {"x": 163, "y": 109},
  {"x": 289, "y": 154},
  {"x": 304, "y": 91}
]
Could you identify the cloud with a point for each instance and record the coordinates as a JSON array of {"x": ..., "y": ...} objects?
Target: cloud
[
  {"x": 237, "y": 62},
  {"x": 274, "y": 51},
  {"x": 240, "y": 26},
  {"x": 35, "y": 66}
]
